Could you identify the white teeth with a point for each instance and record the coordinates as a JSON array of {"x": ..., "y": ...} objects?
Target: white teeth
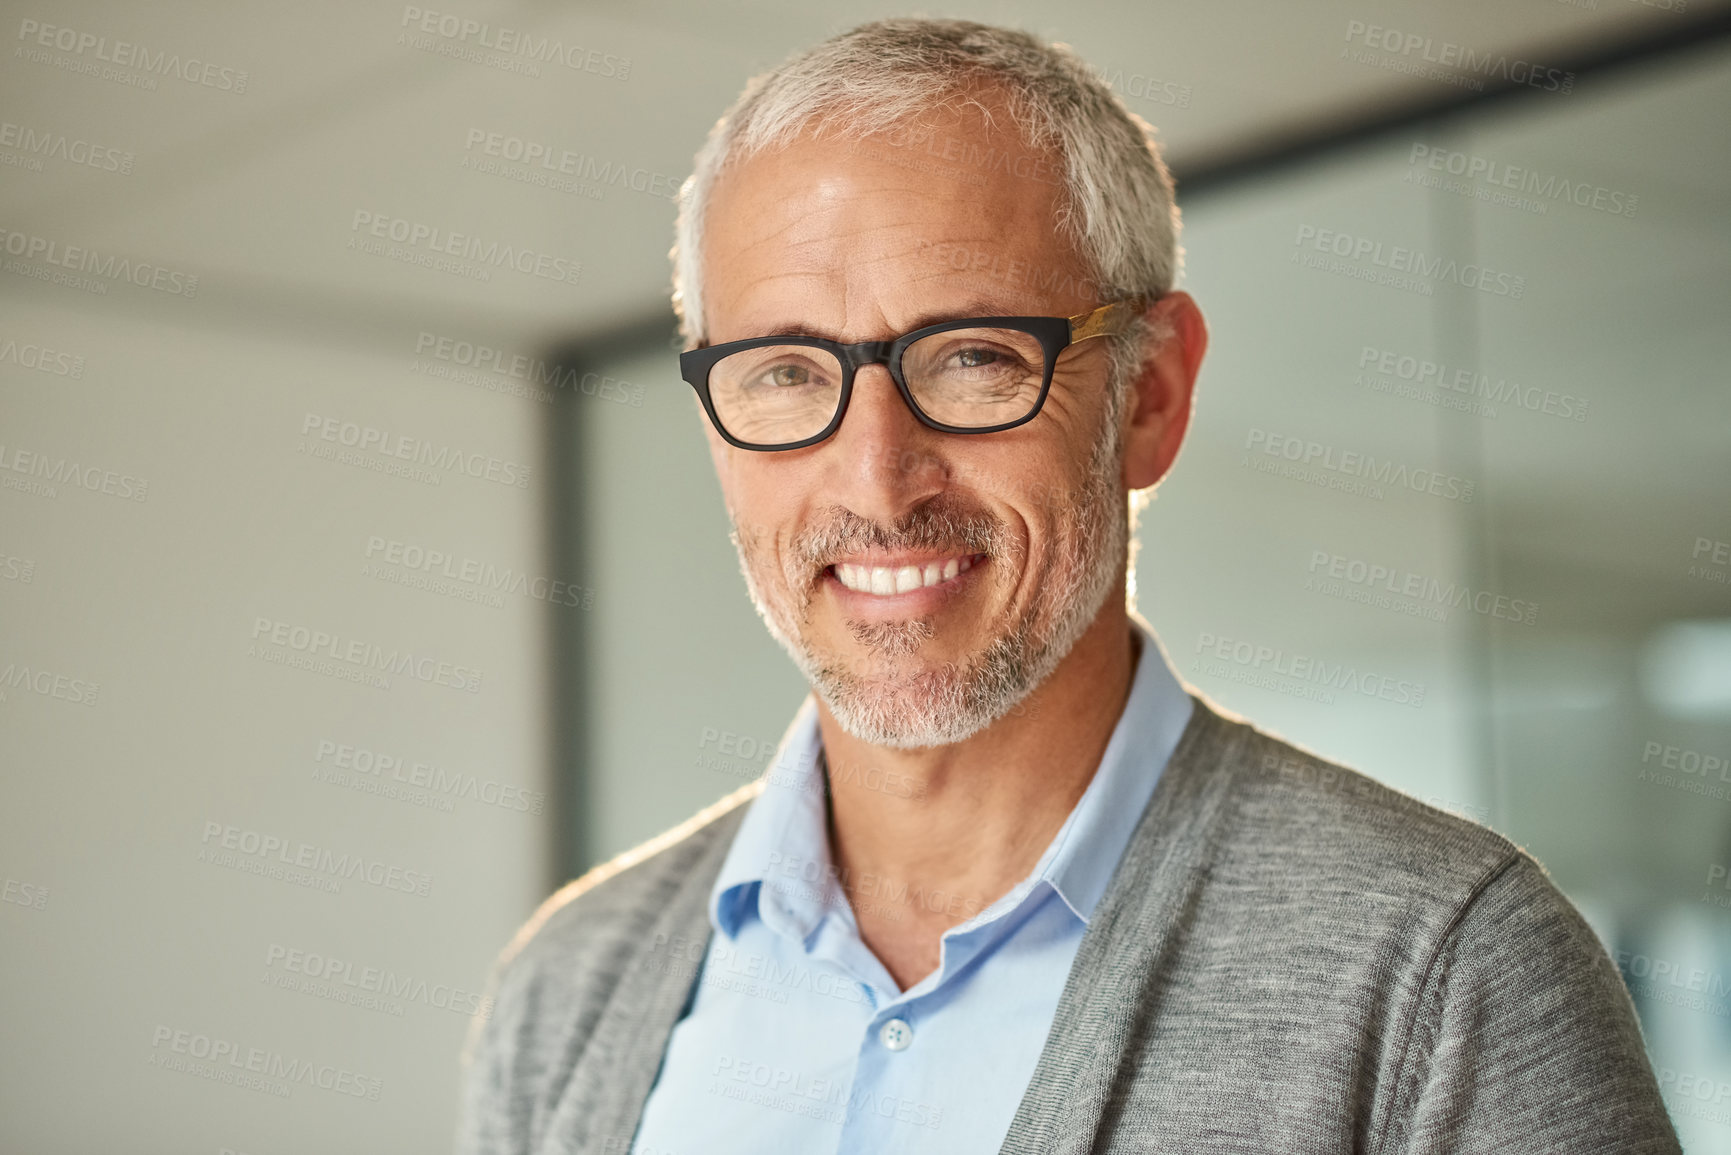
[{"x": 884, "y": 580}]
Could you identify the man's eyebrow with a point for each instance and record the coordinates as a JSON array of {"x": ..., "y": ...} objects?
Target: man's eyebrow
[{"x": 980, "y": 307}]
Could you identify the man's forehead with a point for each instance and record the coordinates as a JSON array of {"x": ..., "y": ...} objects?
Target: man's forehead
[
  {"x": 875, "y": 181},
  {"x": 903, "y": 317},
  {"x": 923, "y": 285},
  {"x": 828, "y": 233}
]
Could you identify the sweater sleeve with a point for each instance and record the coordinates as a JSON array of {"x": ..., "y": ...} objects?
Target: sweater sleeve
[
  {"x": 1524, "y": 1038},
  {"x": 494, "y": 1116}
]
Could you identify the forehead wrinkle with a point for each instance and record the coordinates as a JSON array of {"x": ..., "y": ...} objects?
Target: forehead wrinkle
[
  {"x": 750, "y": 267},
  {"x": 973, "y": 295},
  {"x": 779, "y": 237}
]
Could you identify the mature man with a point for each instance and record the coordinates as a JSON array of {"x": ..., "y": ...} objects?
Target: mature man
[{"x": 1011, "y": 885}]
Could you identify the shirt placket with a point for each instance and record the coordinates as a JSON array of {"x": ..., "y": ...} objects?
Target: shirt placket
[{"x": 887, "y": 1107}]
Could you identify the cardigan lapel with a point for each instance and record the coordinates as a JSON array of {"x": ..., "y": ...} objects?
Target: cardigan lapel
[
  {"x": 1126, "y": 943},
  {"x": 1117, "y": 960},
  {"x": 600, "y": 1108}
]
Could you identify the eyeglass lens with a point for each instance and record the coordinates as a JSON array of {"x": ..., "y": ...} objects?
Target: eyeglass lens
[{"x": 967, "y": 378}]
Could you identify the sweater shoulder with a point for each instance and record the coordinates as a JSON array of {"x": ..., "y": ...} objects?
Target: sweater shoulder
[
  {"x": 550, "y": 988},
  {"x": 610, "y": 908},
  {"x": 1325, "y": 825}
]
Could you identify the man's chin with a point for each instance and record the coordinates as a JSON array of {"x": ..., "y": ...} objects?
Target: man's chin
[
  {"x": 862, "y": 669},
  {"x": 912, "y": 700},
  {"x": 908, "y": 651},
  {"x": 899, "y": 715}
]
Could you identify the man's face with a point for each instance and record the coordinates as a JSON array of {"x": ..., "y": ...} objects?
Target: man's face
[{"x": 1010, "y": 541}]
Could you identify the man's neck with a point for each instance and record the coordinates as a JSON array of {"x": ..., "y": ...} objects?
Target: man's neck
[{"x": 925, "y": 839}]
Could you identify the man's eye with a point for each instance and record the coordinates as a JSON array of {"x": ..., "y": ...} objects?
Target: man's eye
[
  {"x": 789, "y": 375},
  {"x": 976, "y": 358}
]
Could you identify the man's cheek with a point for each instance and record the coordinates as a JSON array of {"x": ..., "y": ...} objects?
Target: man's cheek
[{"x": 725, "y": 458}]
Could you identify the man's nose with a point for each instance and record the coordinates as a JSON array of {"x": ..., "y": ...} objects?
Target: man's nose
[{"x": 882, "y": 461}]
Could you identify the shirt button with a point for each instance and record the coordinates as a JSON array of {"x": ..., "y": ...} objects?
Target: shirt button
[{"x": 896, "y": 1034}]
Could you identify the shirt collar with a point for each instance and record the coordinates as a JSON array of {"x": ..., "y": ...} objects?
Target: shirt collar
[
  {"x": 783, "y": 840},
  {"x": 1085, "y": 852}
]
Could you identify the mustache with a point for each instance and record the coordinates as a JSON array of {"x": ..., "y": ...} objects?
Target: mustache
[{"x": 939, "y": 524}]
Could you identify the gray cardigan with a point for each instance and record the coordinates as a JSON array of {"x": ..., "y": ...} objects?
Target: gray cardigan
[{"x": 1290, "y": 957}]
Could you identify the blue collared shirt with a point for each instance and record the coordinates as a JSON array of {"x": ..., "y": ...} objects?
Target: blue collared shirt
[{"x": 799, "y": 1042}]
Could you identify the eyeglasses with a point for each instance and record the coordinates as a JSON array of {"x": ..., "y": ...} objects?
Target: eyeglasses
[{"x": 978, "y": 375}]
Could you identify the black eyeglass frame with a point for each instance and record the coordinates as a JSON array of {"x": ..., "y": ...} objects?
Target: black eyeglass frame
[{"x": 1055, "y": 334}]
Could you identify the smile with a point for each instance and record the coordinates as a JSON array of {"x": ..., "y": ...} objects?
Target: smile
[{"x": 885, "y": 581}]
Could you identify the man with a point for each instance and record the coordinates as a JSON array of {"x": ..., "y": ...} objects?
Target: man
[{"x": 1010, "y": 885}]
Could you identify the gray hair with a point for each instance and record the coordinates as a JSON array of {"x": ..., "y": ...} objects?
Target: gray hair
[{"x": 1117, "y": 211}]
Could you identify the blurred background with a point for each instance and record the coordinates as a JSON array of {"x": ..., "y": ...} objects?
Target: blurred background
[{"x": 355, "y": 594}]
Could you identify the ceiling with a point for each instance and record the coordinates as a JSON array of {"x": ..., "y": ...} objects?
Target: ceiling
[{"x": 347, "y": 118}]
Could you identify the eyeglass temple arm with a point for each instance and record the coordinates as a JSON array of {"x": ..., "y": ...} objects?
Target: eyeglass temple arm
[{"x": 1105, "y": 320}]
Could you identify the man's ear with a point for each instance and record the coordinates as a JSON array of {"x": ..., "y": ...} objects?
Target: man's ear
[{"x": 1158, "y": 410}]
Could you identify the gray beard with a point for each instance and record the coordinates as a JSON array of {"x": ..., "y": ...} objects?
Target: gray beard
[{"x": 952, "y": 703}]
